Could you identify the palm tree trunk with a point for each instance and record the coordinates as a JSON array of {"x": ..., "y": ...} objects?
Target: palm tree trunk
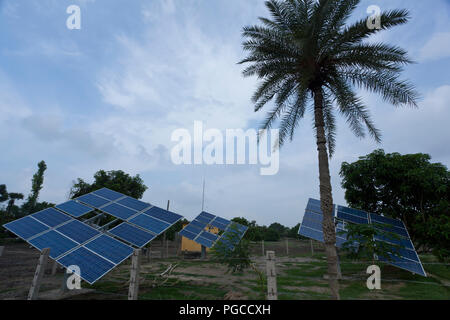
[{"x": 326, "y": 196}]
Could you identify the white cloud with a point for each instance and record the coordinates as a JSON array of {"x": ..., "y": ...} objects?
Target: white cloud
[{"x": 437, "y": 47}]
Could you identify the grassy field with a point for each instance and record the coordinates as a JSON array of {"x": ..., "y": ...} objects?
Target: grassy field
[{"x": 299, "y": 277}]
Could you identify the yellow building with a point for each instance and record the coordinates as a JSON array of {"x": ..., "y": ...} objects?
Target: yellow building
[{"x": 188, "y": 245}]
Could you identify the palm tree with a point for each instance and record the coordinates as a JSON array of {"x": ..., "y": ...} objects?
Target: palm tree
[{"x": 306, "y": 51}]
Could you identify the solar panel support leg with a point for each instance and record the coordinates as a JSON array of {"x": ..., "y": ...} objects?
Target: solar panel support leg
[
  {"x": 134, "y": 278},
  {"x": 203, "y": 252},
  {"x": 64, "y": 288},
  {"x": 262, "y": 246},
  {"x": 39, "y": 274},
  {"x": 54, "y": 267},
  {"x": 312, "y": 248},
  {"x": 1, "y": 250},
  {"x": 271, "y": 276},
  {"x": 287, "y": 247}
]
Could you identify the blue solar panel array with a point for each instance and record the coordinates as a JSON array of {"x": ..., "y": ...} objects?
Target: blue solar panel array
[
  {"x": 405, "y": 258},
  {"x": 72, "y": 242},
  {"x": 197, "y": 230}
]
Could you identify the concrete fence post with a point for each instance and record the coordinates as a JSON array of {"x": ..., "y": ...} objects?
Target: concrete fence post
[
  {"x": 262, "y": 246},
  {"x": 312, "y": 247},
  {"x": 2, "y": 248},
  {"x": 134, "y": 275},
  {"x": 39, "y": 274},
  {"x": 271, "y": 276}
]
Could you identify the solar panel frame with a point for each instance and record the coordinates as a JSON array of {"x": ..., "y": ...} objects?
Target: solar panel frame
[
  {"x": 74, "y": 208},
  {"x": 123, "y": 230}
]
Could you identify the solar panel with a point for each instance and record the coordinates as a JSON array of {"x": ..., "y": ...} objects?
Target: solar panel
[
  {"x": 93, "y": 200},
  {"x": 51, "y": 217},
  {"x": 74, "y": 208},
  {"x": 163, "y": 215},
  {"x": 118, "y": 211},
  {"x": 78, "y": 231},
  {"x": 204, "y": 242},
  {"x": 110, "y": 248},
  {"x": 134, "y": 204},
  {"x": 193, "y": 229},
  {"x": 108, "y": 194},
  {"x": 132, "y": 235},
  {"x": 26, "y": 227},
  {"x": 56, "y": 242},
  {"x": 396, "y": 235},
  {"x": 209, "y": 236},
  {"x": 199, "y": 224},
  {"x": 188, "y": 234},
  {"x": 150, "y": 223},
  {"x": 92, "y": 266}
]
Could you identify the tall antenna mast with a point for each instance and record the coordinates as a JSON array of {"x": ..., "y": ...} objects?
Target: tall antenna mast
[{"x": 203, "y": 197}]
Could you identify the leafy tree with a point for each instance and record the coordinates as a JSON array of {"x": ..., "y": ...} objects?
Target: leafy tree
[
  {"x": 232, "y": 251},
  {"x": 293, "y": 232},
  {"x": 279, "y": 228},
  {"x": 3, "y": 193},
  {"x": 407, "y": 187},
  {"x": 36, "y": 185},
  {"x": 306, "y": 52},
  {"x": 115, "y": 180},
  {"x": 12, "y": 198}
]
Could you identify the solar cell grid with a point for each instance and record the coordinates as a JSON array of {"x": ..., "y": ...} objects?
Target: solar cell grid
[
  {"x": 163, "y": 215},
  {"x": 198, "y": 224},
  {"x": 74, "y": 208},
  {"x": 134, "y": 204},
  {"x": 109, "y": 248},
  {"x": 51, "y": 217},
  {"x": 78, "y": 231},
  {"x": 355, "y": 212},
  {"x": 108, "y": 194},
  {"x": 132, "y": 234},
  {"x": 204, "y": 242},
  {"x": 188, "y": 234},
  {"x": 208, "y": 235},
  {"x": 119, "y": 211},
  {"x": 219, "y": 225},
  {"x": 92, "y": 267},
  {"x": 351, "y": 218},
  {"x": 57, "y": 243},
  {"x": 26, "y": 227},
  {"x": 93, "y": 200},
  {"x": 377, "y": 218},
  {"x": 150, "y": 223}
]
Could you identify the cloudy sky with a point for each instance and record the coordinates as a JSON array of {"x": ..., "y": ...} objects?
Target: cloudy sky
[{"x": 110, "y": 95}]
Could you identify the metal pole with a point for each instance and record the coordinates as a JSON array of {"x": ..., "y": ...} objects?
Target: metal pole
[
  {"x": 64, "y": 288},
  {"x": 2, "y": 248},
  {"x": 287, "y": 247},
  {"x": 39, "y": 274},
  {"x": 312, "y": 248},
  {"x": 262, "y": 245},
  {"x": 55, "y": 267}
]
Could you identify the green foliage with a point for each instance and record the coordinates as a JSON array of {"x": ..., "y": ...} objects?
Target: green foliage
[
  {"x": 115, "y": 180},
  {"x": 361, "y": 243},
  {"x": 236, "y": 258},
  {"x": 307, "y": 50},
  {"x": 407, "y": 187},
  {"x": 36, "y": 185},
  {"x": 3, "y": 193}
]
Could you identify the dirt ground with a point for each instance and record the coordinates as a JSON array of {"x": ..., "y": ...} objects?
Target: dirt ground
[{"x": 19, "y": 260}]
